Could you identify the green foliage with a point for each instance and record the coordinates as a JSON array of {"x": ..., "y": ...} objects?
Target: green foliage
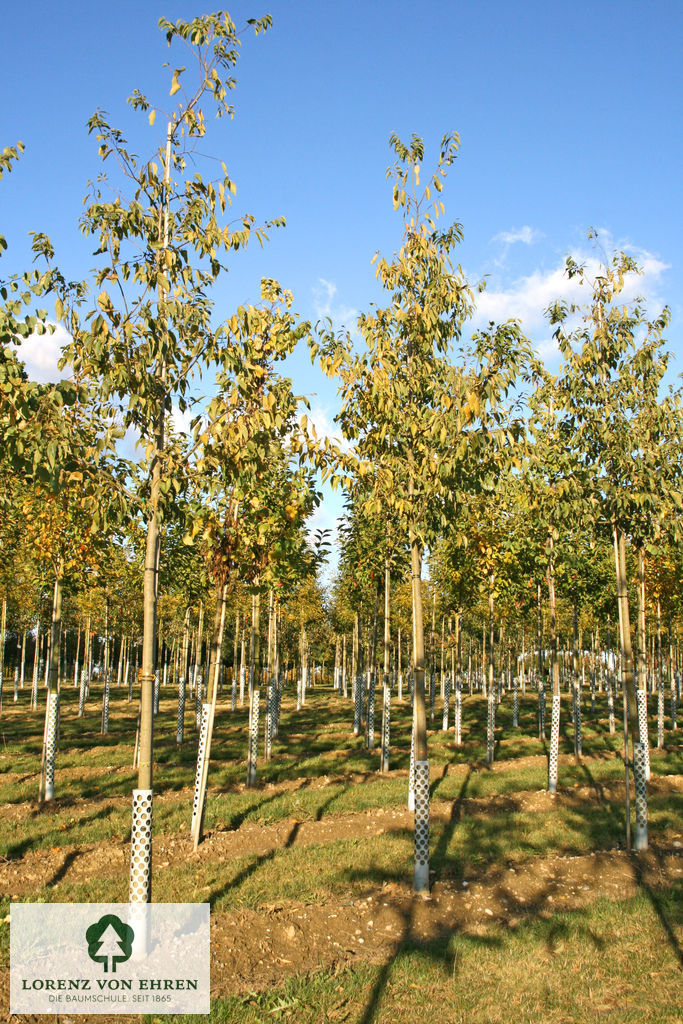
[{"x": 625, "y": 433}]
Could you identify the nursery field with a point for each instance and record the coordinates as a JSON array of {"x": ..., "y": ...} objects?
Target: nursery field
[
  {"x": 536, "y": 910},
  {"x": 470, "y": 479}
]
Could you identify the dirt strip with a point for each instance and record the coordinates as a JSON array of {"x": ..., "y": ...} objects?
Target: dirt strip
[{"x": 74, "y": 864}]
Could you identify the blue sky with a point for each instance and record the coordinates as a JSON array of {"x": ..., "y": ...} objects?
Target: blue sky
[{"x": 569, "y": 116}]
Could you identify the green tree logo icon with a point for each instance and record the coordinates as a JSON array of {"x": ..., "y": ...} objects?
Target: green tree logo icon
[{"x": 110, "y": 941}]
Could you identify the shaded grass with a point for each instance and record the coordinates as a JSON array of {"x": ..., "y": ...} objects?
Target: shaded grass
[
  {"x": 381, "y": 854},
  {"x": 69, "y": 822},
  {"x": 314, "y": 743}
]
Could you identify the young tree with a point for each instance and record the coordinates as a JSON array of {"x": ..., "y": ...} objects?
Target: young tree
[
  {"x": 161, "y": 243},
  {"x": 612, "y": 409},
  {"x": 419, "y": 422}
]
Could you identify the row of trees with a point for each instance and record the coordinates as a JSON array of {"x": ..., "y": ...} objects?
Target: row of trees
[
  {"x": 470, "y": 454},
  {"x": 453, "y": 456}
]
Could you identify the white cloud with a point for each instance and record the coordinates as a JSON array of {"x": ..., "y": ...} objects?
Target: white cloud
[
  {"x": 324, "y": 293},
  {"x": 322, "y": 421},
  {"x": 526, "y": 234},
  {"x": 548, "y": 349},
  {"x": 41, "y": 352},
  {"x": 181, "y": 421},
  {"x": 527, "y": 298}
]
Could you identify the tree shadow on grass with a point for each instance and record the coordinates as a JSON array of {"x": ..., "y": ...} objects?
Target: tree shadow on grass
[
  {"x": 61, "y": 871},
  {"x": 595, "y": 785},
  {"x": 441, "y": 948},
  {"x": 541, "y": 911},
  {"x": 16, "y": 851},
  {"x": 658, "y": 905},
  {"x": 239, "y": 817},
  {"x": 264, "y": 858}
]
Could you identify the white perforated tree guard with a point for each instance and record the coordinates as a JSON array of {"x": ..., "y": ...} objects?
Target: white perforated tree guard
[
  {"x": 253, "y": 737},
  {"x": 541, "y": 707},
  {"x": 641, "y": 701},
  {"x": 386, "y": 727},
  {"x": 421, "y": 834},
  {"x": 411, "y": 770},
  {"x": 278, "y": 704},
  {"x": 576, "y": 698},
  {"x": 180, "y": 727},
  {"x": 639, "y": 763},
  {"x": 446, "y": 703},
  {"x": 490, "y": 726},
  {"x": 268, "y": 721},
  {"x": 201, "y": 757},
  {"x": 81, "y": 695},
  {"x": 515, "y": 703},
  {"x": 140, "y": 888},
  {"x": 105, "y": 708},
  {"x": 357, "y": 706},
  {"x": 660, "y": 714},
  {"x": 554, "y": 744},
  {"x": 198, "y": 702},
  {"x": 139, "y": 918},
  {"x": 458, "y": 712},
  {"x": 371, "y": 714},
  {"x": 674, "y": 704},
  {"x": 610, "y": 704},
  {"x": 51, "y": 744}
]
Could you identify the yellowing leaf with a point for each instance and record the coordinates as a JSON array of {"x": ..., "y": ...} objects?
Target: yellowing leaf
[
  {"x": 175, "y": 85},
  {"x": 152, "y": 116}
]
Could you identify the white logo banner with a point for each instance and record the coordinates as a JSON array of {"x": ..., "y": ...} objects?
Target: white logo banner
[{"x": 109, "y": 958}]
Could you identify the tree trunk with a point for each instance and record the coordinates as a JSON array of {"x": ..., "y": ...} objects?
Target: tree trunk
[
  {"x": 45, "y": 788},
  {"x": 3, "y": 626},
  {"x": 555, "y": 673},
  {"x": 421, "y": 866},
  {"x": 204, "y": 753},
  {"x": 627, "y": 673},
  {"x": 631, "y": 725},
  {"x": 255, "y": 692},
  {"x": 386, "y": 687}
]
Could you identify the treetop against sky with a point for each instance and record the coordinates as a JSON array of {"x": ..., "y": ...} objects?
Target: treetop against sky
[{"x": 569, "y": 116}]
